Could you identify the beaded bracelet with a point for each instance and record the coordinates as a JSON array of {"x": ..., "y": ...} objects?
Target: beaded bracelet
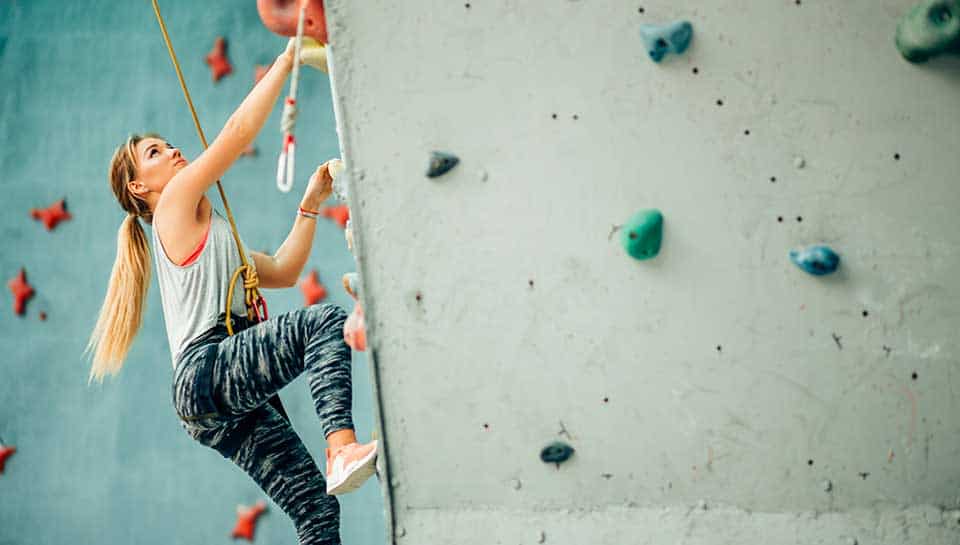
[{"x": 308, "y": 213}]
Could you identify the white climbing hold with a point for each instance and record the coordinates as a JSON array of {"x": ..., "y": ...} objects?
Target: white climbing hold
[
  {"x": 702, "y": 505},
  {"x": 799, "y": 162},
  {"x": 516, "y": 484},
  {"x": 483, "y": 175},
  {"x": 401, "y": 531},
  {"x": 827, "y": 486},
  {"x": 541, "y": 537}
]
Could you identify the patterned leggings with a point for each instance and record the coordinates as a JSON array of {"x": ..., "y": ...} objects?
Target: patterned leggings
[{"x": 221, "y": 389}]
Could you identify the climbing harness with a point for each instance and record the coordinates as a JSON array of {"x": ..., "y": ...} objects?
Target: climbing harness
[
  {"x": 289, "y": 120},
  {"x": 256, "y": 304}
]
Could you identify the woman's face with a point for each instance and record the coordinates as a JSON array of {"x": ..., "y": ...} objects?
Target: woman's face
[{"x": 157, "y": 162}]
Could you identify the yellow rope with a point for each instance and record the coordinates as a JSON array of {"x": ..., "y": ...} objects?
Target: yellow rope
[{"x": 251, "y": 282}]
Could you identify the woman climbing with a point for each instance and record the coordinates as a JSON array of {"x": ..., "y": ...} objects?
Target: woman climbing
[{"x": 221, "y": 383}]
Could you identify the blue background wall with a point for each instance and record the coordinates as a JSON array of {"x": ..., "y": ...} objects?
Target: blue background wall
[{"x": 110, "y": 464}]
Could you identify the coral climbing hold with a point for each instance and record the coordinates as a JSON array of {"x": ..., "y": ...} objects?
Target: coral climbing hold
[
  {"x": 247, "y": 520},
  {"x": 556, "y": 453},
  {"x": 52, "y": 215},
  {"x": 669, "y": 38},
  {"x": 816, "y": 260},
  {"x": 217, "y": 59},
  {"x": 441, "y": 163},
  {"x": 355, "y": 330},
  {"x": 930, "y": 28},
  {"x": 339, "y": 213},
  {"x": 642, "y": 234},
  {"x": 5, "y": 452},
  {"x": 281, "y": 16},
  {"x": 313, "y": 290},
  {"x": 22, "y": 291}
]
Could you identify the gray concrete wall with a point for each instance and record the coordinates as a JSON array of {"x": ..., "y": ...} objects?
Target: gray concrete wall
[{"x": 717, "y": 393}]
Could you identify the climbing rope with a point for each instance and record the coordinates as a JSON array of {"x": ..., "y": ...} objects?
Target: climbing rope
[
  {"x": 289, "y": 119},
  {"x": 256, "y": 304}
]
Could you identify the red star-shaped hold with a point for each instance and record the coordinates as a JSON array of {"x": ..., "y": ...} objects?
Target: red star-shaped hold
[
  {"x": 52, "y": 215},
  {"x": 217, "y": 59},
  {"x": 6, "y": 452},
  {"x": 339, "y": 214},
  {"x": 259, "y": 71},
  {"x": 247, "y": 520},
  {"x": 313, "y": 290},
  {"x": 21, "y": 291}
]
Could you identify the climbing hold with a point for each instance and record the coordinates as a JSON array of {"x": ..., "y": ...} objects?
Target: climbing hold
[
  {"x": 351, "y": 284},
  {"x": 314, "y": 53},
  {"x": 52, "y": 215},
  {"x": 313, "y": 290},
  {"x": 249, "y": 151},
  {"x": 355, "y": 330},
  {"x": 217, "y": 59},
  {"x": 669, "y": 38},
  {"x": 827, "y": 486},
  {"x": 280, "y": 17},
  {"x": 556, "y": 453},
  {"x": 930, "y": 28},
  {"x": 640, "y": 236},
  {"x": 348, "y": 234},
  {"x": 516, "y": 484},
  {"x": 799, "y": 162},
  {"x": 339, "y": 213},
  {"x": 441, "y": 163},
  {"x": 22, "y": 291},
  {"x": 5, "y": 452},
  {"x": 247, "y": 520},
  {"x": 816, "y": 260}
]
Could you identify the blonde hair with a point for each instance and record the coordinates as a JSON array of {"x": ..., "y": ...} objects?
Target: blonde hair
[{"x": 122, "y": 311}]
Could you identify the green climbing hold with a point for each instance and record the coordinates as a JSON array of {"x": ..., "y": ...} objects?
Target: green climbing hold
[
  {"x": 556, "y": 453},
  {"x": 641, "y": 235},
  {"x": 930, "y": 28}
]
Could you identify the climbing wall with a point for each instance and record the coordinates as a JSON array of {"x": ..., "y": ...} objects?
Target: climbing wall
[
  {"x": 109, "y": 464},
  {"x": 717, "y": 392}
]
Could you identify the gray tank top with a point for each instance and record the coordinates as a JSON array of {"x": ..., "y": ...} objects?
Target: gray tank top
[{"x": 195, "y": 295}]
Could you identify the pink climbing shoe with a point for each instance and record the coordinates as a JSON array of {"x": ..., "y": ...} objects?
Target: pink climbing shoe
[{"x": 350, "y": 466}]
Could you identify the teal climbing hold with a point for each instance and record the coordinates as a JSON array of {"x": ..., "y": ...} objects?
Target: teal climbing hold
[
  {"x": 930, "y": 28},
  {"x": 670, "y": 38},
  {"x": 556, "y": 453},
  {"x": 641, "y": 235},
  {"x": 441, "y": 163},
  {"x": 816, "y": 260}
]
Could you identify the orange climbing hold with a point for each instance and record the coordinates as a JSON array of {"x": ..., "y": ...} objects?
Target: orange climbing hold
[
  {"x": 5, "y": 452},
  {"x": 355, "y": 330},
  {"x": 313, "y": 290},
  {"x": 247, "y": 520},
  {"x": 217, "y": 59},
  {"x": 52, "y": 215},
  {"x": 339, "y": 214},
  {"x": 22, "y": 291},
  {"x": 281, "y": 16}
]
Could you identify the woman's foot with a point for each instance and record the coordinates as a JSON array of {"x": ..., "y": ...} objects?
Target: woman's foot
[{"x": 350, "y": 466}]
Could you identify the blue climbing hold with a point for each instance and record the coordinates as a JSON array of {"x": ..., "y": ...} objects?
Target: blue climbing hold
[
  {"x": 441, "y": 163},
  {"x": 556, "y": 453},
  {"x": 816, "y": 260},
  {"x": 663, "y": 39}
]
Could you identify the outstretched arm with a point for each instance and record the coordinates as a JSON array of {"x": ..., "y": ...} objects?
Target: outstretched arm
[
  {"x": 284, "y": 267},
  {"x": 180, "y": 198}
]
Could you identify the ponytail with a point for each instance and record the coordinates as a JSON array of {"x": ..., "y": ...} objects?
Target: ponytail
[{"x": 122, "y": 312}]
